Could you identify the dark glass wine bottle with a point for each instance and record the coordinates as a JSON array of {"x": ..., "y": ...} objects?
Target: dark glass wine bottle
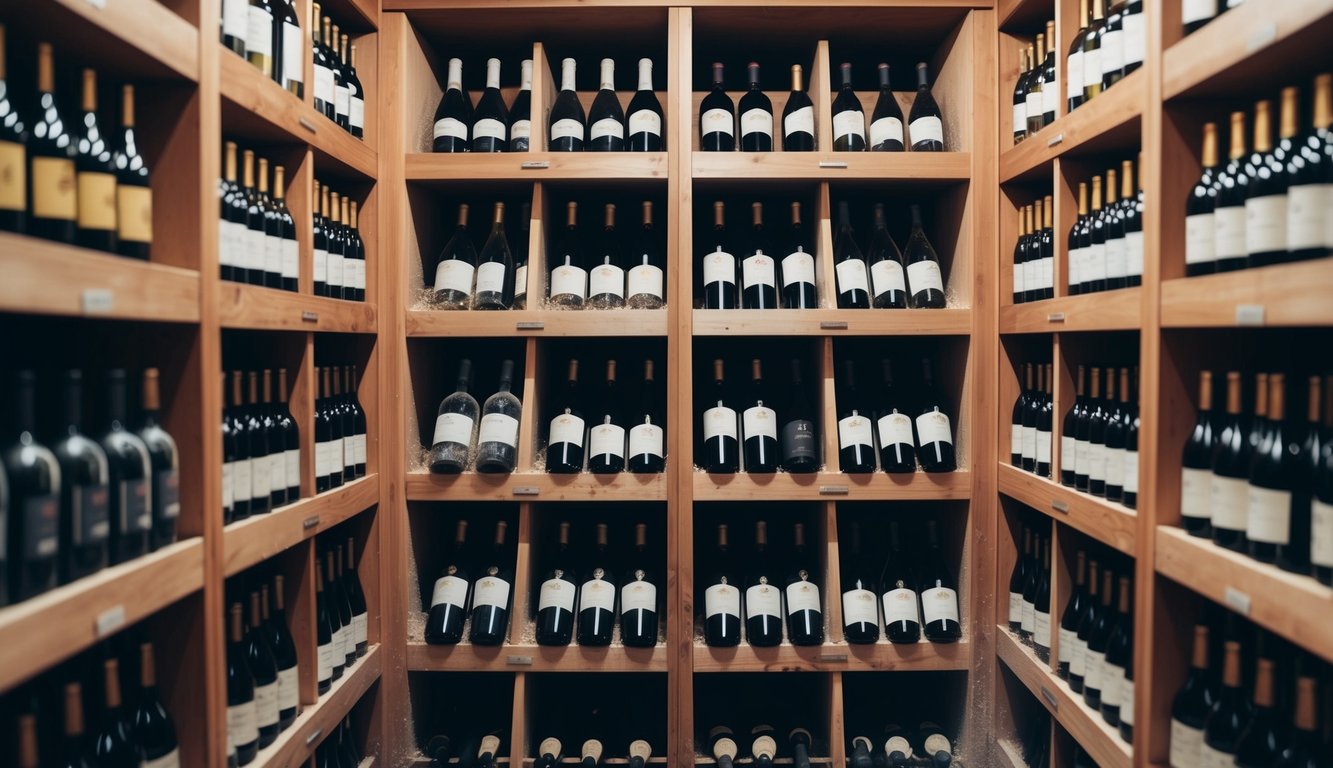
[
  {"x": 1274, "y": 471},
  {"x": 52, "y": 191},
  {"x": 1041, "y": 607},
  {"x": 455, "y": 426},
  {"x": 1303, "y": 748},
  {"x": 1119, "y": 658},
  {"x": 849, "y": 121},
  {"x": 606, "y": 434},
  {"x": 1308, "y": 169},
  {"x": 114, "y": 745},
  {"x": 800, "y": 430},
  {"x": 261, "y": 464},
  {"x": 886, "y": 122},
  {"x": 134, "y": 193},
  {"x": 1200, "y": 225},
  {"x": 490, "y": 120},
  {"x": 242, "y": 716},
  {"x": 1192, "y": 704},
  {"x": 647, "y": 441},
  {"x": 722, "y": 745},
  {"x": 925, "y": 281},
  {"x": 856, "y": 443},
  {"x": 798, "y": 267},
  {"x": 284, "y": 651},
  {"x": 1020, "y": 96},
  {"x": 924, "y": 123},
  {"x": 893, "y": 427},
  {"x": 566, "y": 126},
  {"x": 645, "y": 278},
  {"x": 356, "y": 597},
  {"x": 1023, "y": 427},
  {"x": 902, "y": 609},
  {"x": 852, "y": 273},
  {"x": 565, "y": 438},
  {"x": 888, "y": 281},
  {"x": 259, "y": 657},
  {"x": 448, "y": 602},
  {"x": 756, "y": 112},
  {"x": 759, "y": 426},
  {"x": 495, "y": 267},
  {"x": 1078, "y": 667},
  {"x": 763, "y": 597},
  {"x": 490, "y": 594},
  {"x": 722, "y": 599},
  {"x": 719, "y": 265},
  {"x": 805, "y": 609},
  {"x": 1068, "y": 645},
  {"x": 74, "y": 746},
  {"x": 339, "y": 616},
  {"x": 13, "y": 152},
  {"x": 324, "y": 629},
  {"x": 644, "y": 116},
  {"x": 1266, "y": 196},
  {"x": 453, "y": 116},
  {"x": 934, "y": 433},
  {"x": 721, "y": 449},
  {"x": 1229, "y": 713},
  {"x": 1197, "y": 464},
  {"x": 1228, "y": 489},
  {"x": 1028, "y": 618},
  {"x": 1018, "y": 578},
  {"x": 556, "y": 595},
  {"x": 597, "y": 595},
  {"x": 1232, "y": 184},
  {"x": 860, "y": 612},
  {"x": 84, "y": 491},
  {"x": 520, "y": 112},
  {"x": 1045, "y": 414},
  {"x": 606, "y": 278},
  {"x": 798, "y": 117},
  {"x": 606, "y": 120},
  {"x": 638, "y": 597},
  {"x": 165, "y": 460},
  {"x": 1321, "y": 513},
  {"x": 569, "y": 275},
  {"x": 717, "y": 118},
  {"x": 759, "y": 280},
  {"x": 130, "y": 466},
  {"x": 95, "y": 176},
  {"x": 1098, "y": 636}
]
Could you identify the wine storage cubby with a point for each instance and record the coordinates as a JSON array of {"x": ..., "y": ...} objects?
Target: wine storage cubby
[
  {"x": 448, "y": 729},
  {"x": 613, "y": 710},
  {"x": 935, "y": 704},
  {"x": 805, "y": 702}
]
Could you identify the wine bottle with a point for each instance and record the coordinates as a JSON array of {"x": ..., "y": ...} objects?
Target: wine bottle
[
  {"x": 324, "y": 628},
  {"x": 1113, "y": 45},
  {"x": 1132, "y": 219},
  {"x": 455, "y": 426},
  {"x": 1274, "y": 472},
  {"x": 606, "y": 280},
  {"x": 798, "y": 267},
  {"x": 1045, "y": 413},
  {"x": 448, "y": 600},
  {"x": 719, "y": 265},
  {"x": 521, "y": 245},
  {"x": 893, "y": 428},
  {"x": 597, "y": 597},
  {"x": 494, "y": 266},
  {"x": 328, "y": 451},
  {"x": 647, "y": 450},
  {"x": 289, "y": 53},
  {"x": 1116, "y": 426},
  {"x": 1075, "y": 67},
  {"x": 1229, "y": 219},
  {"x": 717, "y": 131},
  {"x": 1131, "y": 452},
  {"x": 645, "y": 279},
  {"x": 1196, "y": 13},
  {"x": 1018, "y": 578},
  {"x": 355, "y": 424},
  {"x": 569, "y": 277},
  {"x": 897, "y": 749},
  {"x": 130, "y": 466},
  {"x": 722, "y": 745},
  {"x": 644, "y": 116},
  {"x": 1083, "y": 449},
  {"x": 859, "y": 756},
  {"x": 338, "y": 582},
  {"x": 924, "y": 124},
  {"x": 720, "y": 447},
  {"x": 606, "y": 130},
  {"x": 722, "y": 599},
  {"x": 1229, "y": 713},
  {"x": 114, "y": 743},
  {"x": 259, "y": 35},
  {"x": 886, "y": 122},
  {"x": 1098, "y": 421},
  {"x": 606, "y": 436},
  {"x": 95, "y": 176},
  {"x": 756, "y": 111},
  {"x": 1117, "y": 258},
  {"x": 763, "y": 597},
  {"x": 325, "y": 77},
  {"x": 759, "y": 282},
  {"x": 1098, "y": 635},
  {"x": 860, "y": 614},
  {"x": 497, "y": 437},
  {"x": 1092, "y": 51},
  {"x": 763, "y": 745},
  {"x": 902, "y": 608},
  {"x": 923, "y": 267},
  {"x": 242, "y": 715},
  {"x": 1119, "y": 658},
  {"x": 1019, "y": 109},
  {"x": 1069, "y": 435},
  {"x": 133, "y": 193},
  {"x": 1024, "y": 425},
  {"x": 760, "y": 427},
  {"x": 1266, "y": 195},
  {"x": 1033, "y": 95},
  {"x": 453, "y": 115},
  {"x": 550, "y": 753},
  {"x": 74, "y": 746},
  {"x": 337, "y": 244},
  {"x": 1094, "y": 257},
  {"x": 852, "y": 273},
  {"x": 455, "y": 268},
  {"x": 1069, "y": 648},
  {"x": 1079, "y": 243},
  {"x": 564, "y": 445},
  {"x": 1228, "y": 490},
  {"x": 356, "y": 598},
  {"x": 800, "y": 434},
  {"x": 1046, "y": 251},
  {"x": 1050, "y": 88},
  {"x": 1192, "y": 705},
  {"x": 888, "y": 281},
  {"x": 487, "y": 750},
  {"x": 849, "y": 121},
  {"x": 934, "y": 435},
  {"x": 1307, "y": 170},
  {"x": 1028, "y": 618},
  {"x": 856, "y": 443},
  {"x": 490, "y": 595},
  {"x": 1321, "y": 513},
  {"x": 84, "y": 491},
  {"x": 1022, "y": 258},
  {"x": 253, "y": 239},
  {"x": 1303, "y": 744},
  {"x": 939, "y": 598},
  {"x": 638, "y": 598},
  {"x": 165, "y": 460},
  {"x": 13, "y": 154},
  {"x": 339, "y": 616},
  {"x": 556, "y": 596},
  {"x": 1041, "y": 608},
  {"x": 52, "y": 189},
  {"x": 236, "y": 458},
  {"x": 282, "y": 227},
  {"x": 567, "y": 124},
  {"x": 259, "y": 658},
  {"x": 284, "y": 651},
  {"x": 234, "y": 25},
  {"x": 805, "y": 609},
  {"x": 261, "y": 463},
  {"x": 490, "y": 120},
  {"x": 798, "y": 117},
  {"x": 1078, "y": 667},
  {"x": 319, "y": 243}
]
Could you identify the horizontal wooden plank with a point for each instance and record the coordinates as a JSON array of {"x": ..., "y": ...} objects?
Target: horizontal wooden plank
[
  {"x": 431, "y": 5},
  {"x": 258, "y": 538},
  {"x": 269, "y": 309},
  {"x": 1008, "y": 754},
  {"x": 1108, "y": 522},
  {"x": 1118, "y": 310},
  {"x": 353, "y": 15},
  {"x": 316, "y": 722},
  {"x": 536, "y": 486},
  {"x": 1296, "y": 607},
  {"x": 537, "y": 322},
  {"x": 42, "y": 277},
  {"x": 537, "y": 166},
  {"x": 1100, "y": 740},
  {"x": 830, "y": 657},
  {"x": 1296, "y": 294},
  {"x": 832, "y": 322},
  {"x": 464, "y": 657},
  {"x": 45, "y": 630},
  {"x": 135, "y": 40},
  {"x": 917, "y": 167},
  {"x": 832, "y": 486}
]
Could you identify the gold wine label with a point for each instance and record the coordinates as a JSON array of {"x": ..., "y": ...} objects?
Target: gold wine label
[
  {"x": 97, "y": 201},
  {"x": 53, "y": 194},
  {"x": 13, "y": 177},
  {"x": 134, "y": 213}
]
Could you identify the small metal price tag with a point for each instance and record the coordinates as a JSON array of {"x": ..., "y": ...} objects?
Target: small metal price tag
[
  {"x": 1050, "y": 698},
  {"x": 97, "y": 301},
  {"x": 306, "y": 124},
  {"x": 519, "y": 661},
  {"x": 834, "y": 490},
  {"x": 833, "y": 325},
  {"x": 526, "y": 490},
  {"x": 1056, "y": 139},
  {"x": 1249, "y": 314},
  {"x": 110, "y": 620},
  {"x": 313, "y": 736},
  {"x": 1237, "y": 601},
  {"x": 1055, "y": 317},
  {"x": 530, "y": 325},
  {"x": 310, "y": 522},
  {"x": 1060, "y": 506}
]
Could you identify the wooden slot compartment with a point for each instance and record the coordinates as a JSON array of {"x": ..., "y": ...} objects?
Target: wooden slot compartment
[
  {"x": 928, "y": 697},
  {"x": 1017, "y": 315},
  {"x": 813, "y": 702},
  {"x": 615, "y": 709},
  {"x": 1023, "y": 728},
  {"x": 491, "y": 708},
  {"x": 363, "y": 356}
]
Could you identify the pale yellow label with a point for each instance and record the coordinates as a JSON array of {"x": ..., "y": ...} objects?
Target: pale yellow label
[
  {"x": 53, "y": 194},
  {"x": 97, "y": 201},
  {"x": 134, "y": 213},
  {"x": 13, "y": 177}
]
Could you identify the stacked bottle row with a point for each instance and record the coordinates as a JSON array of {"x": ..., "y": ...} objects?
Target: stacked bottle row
[
  {"x": 1106, "y": 241},
  {"x": 341, "y": 618},
  {"x": 83, "y": 504},
  {"x": 1036, "y": 92},
  {"x": 490, "y": 127},
  {"x": 1260, "y": 479},
  {"x": 903, "y": 430},
  {"x": 618, "y": 437},
  {"x": 1030, "y": 436},
  {"x": 1099, "y": 440},
  {"x": 340, "y": 429},
  {"x": 91, "y": 188},
  {"x": 261, "y": 445},
  {"x": 1034, "y": 254},
  {"x": 339, "y": 750},
  {"x": 1269, "y": 205},
  {"x": 338, "y": 94},
  {"x": 268, "y": 35},
  {"x": 340, "y": 253},
  {"x": 896, "y": 747},
  {"x": 1110, "y": 45},
  {"x": 256, "y": 231}
]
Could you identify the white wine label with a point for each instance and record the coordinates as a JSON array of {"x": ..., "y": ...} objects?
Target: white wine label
[
  {"x": 454, "y": 275},
  {"x": 607, "y": 439},
  {"x": 803, "y": 596},
  {"x": 859, "y": 606},
  {"x": 1028, "y": 620},
  {"x": 852, "y": 276},
  {"x": 1043, "y": 447},
  {"x": 760, "y": 421},
  {"x": 1113, "y": 51},
  {"x": 337, "y": 455},
  {"x": 1068, "y": 645},
  {"x": 1115, "y": 468},
  {"x": 171, "y": 759},
  {"x": 289, "y": 257},
  {"x": 498, "y": 428},
  {"x": 445, "y": 126},
  {"x": 1230, "y": 496},
  {"x": 716, "y": 121},
  {"x": 1215, "y": 758},
  {"x": 1321, "y": 535},
  {"x": 887, "y": 275},
  {"x": 719, "y": 267},
  {"x": 855, "y": 430},
  {"x": 645, "y": 121},
  {"x": 758, "y": 270},
  {"x": 1082, "y": 456},
  {"x": 1015, "y": 607},
  {"x": 1112, "y": 680},
  {"x": 1134, "y": 254},
  {"x": 849, "y": 122},
  {"x": 1229, "y": 232},
  {"x": 1097, "y": 461},
  {"x": 1068, "y": 454},
  {"x": 1307, "y": 207},
  {"x": 241, "y": 723},
  {"x": 607, "y": 126},
  {"x": 520, "y": 130},
  {"x": 1186, "y": 745},
  {"x": 261, "y": 473},
  {"x": 638, "y": 596},
  {"x": 1078, "y": 660},
  {"x": 557, "y": 593},
  {"x": 566, "y": 128},
  {"x": 1050, "y": 96},
  {"x": 597, "y": 593},
  {"x": 521, "y": 281},
  {"x": 1074, "y": 75},
  {"x": 1196, "y": 493},
  {"x": 1096, "y": 262},
  {"x": 1015, "y": 439},
  {"x": 288, "y": 688},
  {"x": 453, "y": 428},
  {"x": 235, "y": 18},
  {"x": 1095, "y": 666},
  {"x": 923, "y": 275},
  {"x": 799, "y": 121},
  {"x": 1266, "y": 224},
  {"x": 763, "y": 600},
  {"x": 1117, "y": 259},
  {"x": 900, "y": 605},
  {"x": 324, "y": 84},
  {"x": 449, "y": 590},
  {"x": 722, "y": 599},
  {"x": 490, "y": 590},
  {"x": 569, "y": 281},
  {"x": 491, "y": 277},
  {"x": 360, "y": 629},
  {"x": 567, "y": 428},
  {"x": 939, "y": 603},
  {"x": 645, "y": 280},
  {"x": 259, "y": 32},
  {"x": 1041, "y": 629},
  {"x": 293, "y": 54},
  {"x": 240, "y": 479},
  {"x": 1268, "y": 516},
  {"x": 646, "y": 439},
  {"x": 324, "y": 662},
  {"x": 1021, "y": 117},
  {"x": 933, "y": 427},
  {"x": 1092, "y": 68},
  {"x": 337, "y": 277},
  {"x": 1135, "y": 37},
  {"x": 720, "y": 422},
  {"x": 1197, "y": 10},
  {"x": 886, "y": 129},
  {"x": 1029, "y": 448},
  {"x": 228, "y": 496},
  {"x": 266, "y": 704},
  {"x": 1076, "y": 265},
  {"x": 1126, "y": 700},
  {"x": 489, "y": 128},
  {"x": 1033, "y": 104},
  {"x": 926, "y": 129},
  {"x": 1131, "y": 465},
  {"x": 1023, "y": 277},
  {"x": 894, "y": 429},
  {"x": 323, "y": 462},
  {"x": 359, "y": 442},
  {"x": 606, "y": 279},
  {"x": 322, "y": 266}
]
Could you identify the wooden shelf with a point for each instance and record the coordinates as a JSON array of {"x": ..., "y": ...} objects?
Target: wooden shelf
[
  {"x": 1101, "y": 741},
  {"x": 297, "y": 744},
  {"x": 1108, "y": 522},
  {"x": 1281, "y": 295},
  {"x": 832, "y": 322},
  {"x": 1108, "y": 121},
  {"x": 270, "y": 309},
  {"x": 1252, "y": 46},
  {"x": 537, "y": 166},
  {"x": 536, "y": 486},
  {"x": 136, "y": 39},
  {"x": 1023, "y": 14},
  {"x": 255, "y": 107},
  {"x": 1297, "y": 607},
  {"x": 537, "y": 322},
  {"x": 258, "y": 538},
  {"x": 1008, "y": 754},
  {"x": 42, "y": 277},
  {"x": 1118, "y": 310},
  {"x": 832, "y": 657},
  {"x": 422, "y": 657},
  {"x": 916, "y": 167},
  {"x": 353, "y": 14},
  {"x": 832, "y": 486},
  {"x": 51, "y": 627}
]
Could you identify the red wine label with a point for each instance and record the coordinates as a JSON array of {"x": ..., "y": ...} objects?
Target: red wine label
[
  {"x": 1078, "y": 665},
  {"x": 13, "y": 177},
  {"x": 1215, "y": 758},
  {"x": 1321, "y": 536},
  {"x": 135, "y": 507},
  {"x": 291, "y": 264},
  {"x": 53, "y": 189},
  {"x": 166, "y": 494},
  {"x": 97, "y": 201},
  {"x": 1307, "y": 206},
  {"x": 1095, "y": 664},
  {"x": 1229, "y": 232}
]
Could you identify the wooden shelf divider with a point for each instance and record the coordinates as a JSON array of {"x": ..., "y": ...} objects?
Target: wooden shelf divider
[
  {"x": 270, "y": 309},
  {"x": 1287, "y": 295},
  {"x": 296, "y": 745},
  {"x": 1117, "y": 310},
  {"x": 261, "y": 537},
  {"x": 464, "y": 657},
  {"x": 1112, "y": 524}
]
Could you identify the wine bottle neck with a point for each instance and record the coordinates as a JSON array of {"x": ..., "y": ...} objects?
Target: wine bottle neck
[
  {"x": 493, "y": 74},
  {"x": 645, "y": 74}
]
